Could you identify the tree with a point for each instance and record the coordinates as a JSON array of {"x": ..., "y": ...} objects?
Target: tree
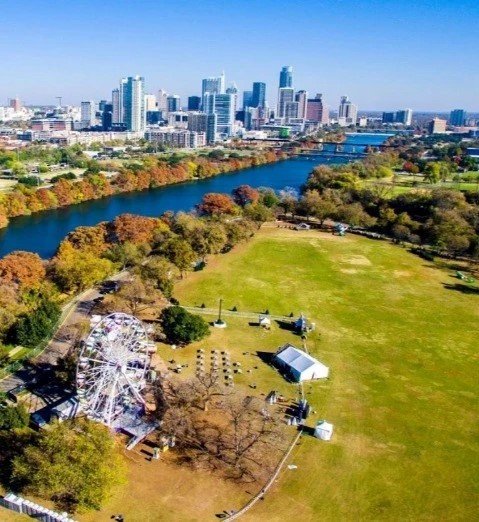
[
  {"x": 432, "y": 172},
  {"x": 12, "y": 417},
  {"x": 127, "y": 254},
  {"x": 135, "y": 296},
  {"x": 244, "y": 195},
  {"x": 214, "y": 204},
  {"x": 182, "y": 327},
  {"x": 160, "y": 272},
  {"x": 180, "y": 253},
  {"x": 32, "y": 328},
  {"x": 63, "y": 464},
  {"x": 23, "y": 268},
  {"x": 135, "y": 229},
  {"x": 258, "y": 213}
]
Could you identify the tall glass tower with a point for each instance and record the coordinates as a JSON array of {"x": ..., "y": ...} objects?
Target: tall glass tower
[
  {"x": 286, "y": 77},
  {"x": 133, "y": 98}
]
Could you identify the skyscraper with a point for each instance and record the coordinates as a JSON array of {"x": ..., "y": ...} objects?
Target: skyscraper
[
  {"x": 285, "y": 95},
  {"x": 404, "y": 116},
  {"x": 133, "y": 98},
  {"x": 316, "y": 110},
  {"x": 194, "y": 103},
  {"x": 286, "y": 77},
  {"x": 247, "y": 99},
  {"x": 222, "y": 105},
  {"x": 173, "y": 103},
  {"x": 150, "y": 102},
  {"x": 161, "y": 100},
  {"x": 259, "y": 94},
  {"x": 302, "y": 98},
  {"x": 117, "y": 103},
  {"x": 458, "y": 117},
  {"x": 348, "y": 112},
  {"x": 88, "y": 114},
  {"x": 233, "y": 90}
]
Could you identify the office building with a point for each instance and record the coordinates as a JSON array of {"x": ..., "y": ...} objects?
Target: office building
[
  {"x": 348, "y": 112},
  {"x": 178, "y": 120},
  {"x": 223, "y": 106},
  {"x": 106, "y": 116},
  {"x": 286, "y": 77},
  {"x": 301, "y": 97},
  {"x": 285, "y": 96},
  {"x": 389, "y": 117},
  {"x": 173, "y": 103},
  {"x": 15, "y": 104},
  {"x": 194, "y": 103},
  {"x": 162, "y": 100},
  {"x": 150, "y": 102},
  {"x": 437, "y": 126},
  {"x": 116, "y": 101},
  {"x": 87, "y": 114},
  {"x": 101, "y": 105},
  {"x": 404, "y": 117},
  {"x": 258, "y": 95},
  {"x": 458, "y": 118},
  {"x": 316, "y": 110},
  {"x": 132, "y": 94},
  {"x": 233, "y": 90},
  {"x": 213, "y": 85},
  {"x": 247, "y": 99}
]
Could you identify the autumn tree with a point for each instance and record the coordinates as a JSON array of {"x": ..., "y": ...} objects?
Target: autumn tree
[
  {"x": 23, "y": 268},
  {"x": 214, "y": 204},
  {"x": 135, "y": 229},
  {"x": 244, "y": 194},
  {"x": 135, "y": 296},
  {"x": 127, "y": 254}
]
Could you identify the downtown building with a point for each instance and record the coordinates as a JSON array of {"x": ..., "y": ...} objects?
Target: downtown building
[
  {"x": 347, "y": 113},
  {"x": 128, "y": 103},
  {"x": 177, "y": 138},
  {"x": 317, "y": 111}
]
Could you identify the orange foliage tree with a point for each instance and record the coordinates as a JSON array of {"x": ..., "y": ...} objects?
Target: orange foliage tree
[
  {"x": 23, "y": 268},
  {"x": 214, "y": 204}
]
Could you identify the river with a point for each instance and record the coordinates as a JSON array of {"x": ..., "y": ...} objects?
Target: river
[{"x": 42, "y": 232}]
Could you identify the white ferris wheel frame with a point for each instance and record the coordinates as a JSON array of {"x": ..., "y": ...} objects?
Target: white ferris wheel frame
[{"x": 112, "y": 367}]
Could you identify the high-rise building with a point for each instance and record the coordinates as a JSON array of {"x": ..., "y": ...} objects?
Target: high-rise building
[
  {"x": 213, "y": 85},
  {"x": 106, "y": 116},
  {"x": 150, "y": 102},
  {"x": 291, "y": 110},
  {"x": 15, "y": 104},
  {"x": 458, "y": 117},
  {"x": 247, "y": 99},
  {"x": 389, "y": 117},
  {"x": 437, "y": 126},
  {"x": 259, "y": 95},
  {"x": 162, "y": 100},
  {"x": 316, "y": 110},
  {"x": 117, "y": 103},
  {"x": 222, "y": 105},
  {"x": 233, "y": 90},
  {"x": 286, "y": 77},
  {"x": 348, "y": 112},
  {"x": 285, "y": 96},
  {"x": 404, "y": 116},
  {"x": 301, "y": 97},
  {"x": 133, "y": 103},
  {"x": 88, "y": 114},
  {"x": 173, "y": 103},
  {"x": 194, "y": 103}
]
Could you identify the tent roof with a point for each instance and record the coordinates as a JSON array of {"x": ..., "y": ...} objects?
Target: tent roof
[
  {"x": 323, "y": 425},
  {"x": 297, "y": 359}
]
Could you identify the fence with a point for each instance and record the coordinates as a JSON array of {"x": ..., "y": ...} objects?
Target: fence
[
  {"x": 21, "y": 505},
  {"x": 270, "y": 482}
]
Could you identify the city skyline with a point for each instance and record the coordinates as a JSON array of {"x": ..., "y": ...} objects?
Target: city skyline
[{"x": 383, "y": 57}]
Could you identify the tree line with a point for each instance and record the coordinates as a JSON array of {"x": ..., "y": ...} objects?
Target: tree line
[{"x": 148, "y": 173}]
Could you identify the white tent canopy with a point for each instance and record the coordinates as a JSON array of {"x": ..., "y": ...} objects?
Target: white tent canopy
[
  {"x": 300, "y": 365},
  {"x": 323, "y": 430}
]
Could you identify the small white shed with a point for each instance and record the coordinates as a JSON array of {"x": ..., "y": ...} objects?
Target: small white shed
[
  {"x": 264, "y": 321},
  {"x": 323, "y": 430}
]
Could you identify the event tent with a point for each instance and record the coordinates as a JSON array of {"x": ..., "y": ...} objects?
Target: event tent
[
  {"x": 323, "y": 430},
  {"x": 299, "y": 365}
]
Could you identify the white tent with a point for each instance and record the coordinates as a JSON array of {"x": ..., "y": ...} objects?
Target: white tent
[
  {"x": 264, "y": 320},
  {"x": 300, "y": 365},
  {"x": 323, "y": 430}
]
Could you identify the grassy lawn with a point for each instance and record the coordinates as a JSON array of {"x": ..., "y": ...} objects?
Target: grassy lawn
[
  {"x": 403, "y": 385},
  {"x": 402, "y": 392}
]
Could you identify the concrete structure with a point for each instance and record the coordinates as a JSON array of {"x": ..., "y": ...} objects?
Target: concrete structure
[
  {"x": 88, "y": 114},
  {"x": 52, "y": 124},
  {"x": 15, "y": 104},
  {"x": 162, "y": 100},
  {"x": 437, "y": 126},
  {"x": 301, "y": 97},
  {"x": 285, "y": 96},
  {"x": 150, "y": 102},
  {"x": 299, "y": 365},
  {"x": 316, "y": 110},
  {"x": 178, "y": 120},
  {"x": 180, "y": 138},
  {"x": 348, "y": 112}
]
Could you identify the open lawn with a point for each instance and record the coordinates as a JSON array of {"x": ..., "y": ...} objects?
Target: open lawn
[{"x": 399, "y": 335}]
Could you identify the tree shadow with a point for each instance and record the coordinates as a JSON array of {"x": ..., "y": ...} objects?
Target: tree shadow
[
  {"x": 460, "y": 287},
  {"x": 285, "y": 325}
]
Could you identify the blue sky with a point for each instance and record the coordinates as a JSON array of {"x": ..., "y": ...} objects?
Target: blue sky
[{"x": 384, "y": 54}]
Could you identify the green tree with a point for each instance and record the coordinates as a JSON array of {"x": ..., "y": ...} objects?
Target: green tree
[
  {"x": 77, "y": 468},
  {"x": 12, "y": 417},
  {"x": 432, "y": 172},
  {"x": 182, "y": 327},
  {"x": 180, "y": 253}
]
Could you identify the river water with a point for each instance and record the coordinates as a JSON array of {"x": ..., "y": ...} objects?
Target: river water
[{"x": 42, "y": 232}]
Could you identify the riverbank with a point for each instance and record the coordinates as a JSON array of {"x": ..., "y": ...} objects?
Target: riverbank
[{"x": 153, "y": 173}]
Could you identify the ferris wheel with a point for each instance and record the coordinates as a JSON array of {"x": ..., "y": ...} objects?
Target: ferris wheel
[{"x": 112, "y": 367}]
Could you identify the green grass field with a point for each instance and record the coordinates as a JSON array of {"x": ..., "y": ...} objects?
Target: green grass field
[
  {"x": 402, "y": 392},
  {"x": 404, "y": 368}
]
